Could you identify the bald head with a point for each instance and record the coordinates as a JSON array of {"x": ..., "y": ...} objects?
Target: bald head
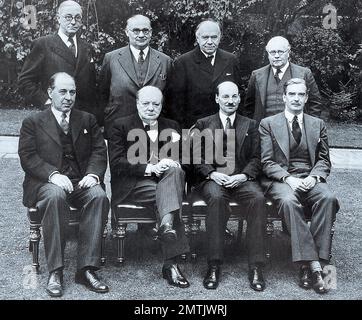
[
  {"x": 278, "y": 49},
  {"x": 227, "y": 97},
  {"x": 149, "y": 103},
  {"x": 139, "y": 31}
]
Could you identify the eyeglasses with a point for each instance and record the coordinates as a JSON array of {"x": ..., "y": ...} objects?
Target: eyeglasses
[
  {"x": 69, "y": 18},
  {"x": 279, "y": 52},
  {"x": 146, "y": 32}
]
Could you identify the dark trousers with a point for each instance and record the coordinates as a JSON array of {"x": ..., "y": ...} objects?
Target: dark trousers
[
  {"x": 308, "y": 243},
  {"x": 164, "y": 194},
  {"x": 54, "y": 202},
  {"x": 251, "y": 198}
]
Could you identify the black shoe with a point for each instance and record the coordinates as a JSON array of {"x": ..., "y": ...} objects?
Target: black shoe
[
  {"x": 256, "y": 279},
  {"x": 91, "y": 281},
  {"x": 167, "y": 234},
  {"x": 174, "y": 276},
  {"x": 212, "y": 278},
  {"x": 55, "y": 284},
  {"x": 305, "y": 277},
  {"x": 318, "y": 282}
]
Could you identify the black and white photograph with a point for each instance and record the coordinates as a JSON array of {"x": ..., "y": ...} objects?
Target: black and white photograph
[{"x": 180, "y": 155}]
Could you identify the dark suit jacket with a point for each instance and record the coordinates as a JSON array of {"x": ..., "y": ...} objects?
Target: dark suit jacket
[
  {"x": 193, "y": 85},
  {"x": 50, "y": 55},
  {"x": 247, "y": 149},
  {"x": 125, "y": 175},
  {"x": 254, "y": 105},
  {"x": 275, "y": 147},
  {"x": 118, "y": 82},
  {"x": 41, "y": 151}
]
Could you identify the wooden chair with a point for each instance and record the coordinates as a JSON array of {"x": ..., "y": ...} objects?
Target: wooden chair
[
  {"x": 35, "y": 218},
  {"x": 127, "y": 213}
]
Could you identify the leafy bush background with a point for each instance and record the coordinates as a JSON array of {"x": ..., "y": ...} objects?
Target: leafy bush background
[{"x": 333, "y": 55}]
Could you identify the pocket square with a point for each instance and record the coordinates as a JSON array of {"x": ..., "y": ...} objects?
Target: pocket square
[
  {"x": 85, "y": 131},
  {"x": 319, "y": 140},
  {"x": 228, "y": 74},
  {"x": 246, "y": 134}
]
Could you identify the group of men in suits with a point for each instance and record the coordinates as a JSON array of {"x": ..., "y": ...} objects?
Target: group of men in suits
[{"x": 63, "y": 153}]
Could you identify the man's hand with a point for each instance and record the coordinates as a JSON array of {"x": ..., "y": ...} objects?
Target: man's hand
[
  {"x": 169, "y": 162},
  {"x": 159, "y": 168},
  {"x": 236, "y": 180},
  {"x": 219, "y": 178},
  {"x": 309, "y": 182},
  {"x": 295, "y": 183},
  {"x": 62, "y": 181},
  {"x": 87, "y": 182}
]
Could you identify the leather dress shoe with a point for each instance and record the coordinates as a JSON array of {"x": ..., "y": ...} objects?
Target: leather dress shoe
[
  {"x": 89, "y": 279},
  {"x": 212, "y": 278},
  {"x": 174, "y": 276},
  {"x": 318, "y": 282},
  {"x": 256, "y": 279},
  {"x": 55, "y": 284},
  {"x": 305, "y": 277},
  {"x": 167, "y": 234}
]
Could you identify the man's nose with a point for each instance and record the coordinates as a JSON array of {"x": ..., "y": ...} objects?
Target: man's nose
[{"x": 68, "y": 96}]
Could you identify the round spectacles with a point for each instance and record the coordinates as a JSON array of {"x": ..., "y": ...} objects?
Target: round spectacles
[
  {"x": 279, "y": 52},
  {"x": 69, "y": 18},
  {"x": 146, "y": 32}
]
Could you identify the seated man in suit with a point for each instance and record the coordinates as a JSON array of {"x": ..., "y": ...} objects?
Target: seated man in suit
[
  {"x": 264, "y": 96},
  {"x": 143, "y": 176},
  {"x": 295, "y": 160},
  {"x": 220, "y": 184},
  {"x": 64, "y": 157}
]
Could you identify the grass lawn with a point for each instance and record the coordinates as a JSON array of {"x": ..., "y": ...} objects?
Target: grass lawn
[
  {"x": 340, "y": 134},
  {"x": 140, "y": 276}
]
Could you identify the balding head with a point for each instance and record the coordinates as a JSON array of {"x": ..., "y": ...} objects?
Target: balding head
[
  {"x": 69, "y": 17},
  {"x": 278, "y": 49},
  {"x": 227, "y": 97},
  {"x": 208, "y": 35},
  {"x": 139, "y": 31},
  {"x": 149, "y": 103}
]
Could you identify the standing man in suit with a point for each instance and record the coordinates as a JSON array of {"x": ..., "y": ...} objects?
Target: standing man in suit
[
  {"x": 61, "y": 52},
  {"x": 64, "y": 157},
  {"x": 144, "y": 176},
  {"x": 264, "y": 96},
  {"x": 219, "y": 186},
  {"x": 128, "y": 69},
  {"x": 197, "y": 73},
  {"x": 295, "y": 160}
]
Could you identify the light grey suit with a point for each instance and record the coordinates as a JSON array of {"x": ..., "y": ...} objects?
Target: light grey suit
[
  {"x": 312, "y": 243},
  {"x": 118, "y": 82}
]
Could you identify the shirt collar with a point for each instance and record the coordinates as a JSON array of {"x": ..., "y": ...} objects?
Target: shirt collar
[
  {"x": 58, "y": 114},
  {"x": 208, "y": 55},
  {"x": 64, "y": 37},
  {"x": 290, "y": 117},
  {"x": 152, "y": 124},
  {"x": 136, "y": 52},
  {"x": 281, "y": 69},
  {"x": 224, "y": 116}
]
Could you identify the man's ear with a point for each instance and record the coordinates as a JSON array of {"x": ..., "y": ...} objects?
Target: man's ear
[
  {"x": 50, "y": 90},
  {"x": 217, "y": 98},
  {"x": 284, "y": 97},
  {"x": 306, "y": 98}
]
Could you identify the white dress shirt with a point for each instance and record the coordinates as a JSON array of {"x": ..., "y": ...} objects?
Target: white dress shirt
[
  {"x": 58, "y": 115},
  {"x": 136, "y": 52},
  {"x": 208, "y": 55},
  {"x": 224, "y": 116},
  {"x": 66, "y": 41},
  {"x": 281, "y": 74},
  {"x": 290, "y": 117}
]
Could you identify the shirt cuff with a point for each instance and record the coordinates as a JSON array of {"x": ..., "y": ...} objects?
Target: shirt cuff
[
  {"x": 53, "y": 173},
  {"x": 94, "y": 176},
  {"x": 148, "y": 171}
]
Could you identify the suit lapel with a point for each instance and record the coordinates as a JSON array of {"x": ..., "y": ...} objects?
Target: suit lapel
[
  {"x": 220, "y": 64},
  {"x": 262, "y": 81},
  {"x": 311, "y": 130},
  {"x": 153, "y": 65},
  {"x": 241, "y": 128},
  {"x": 280, "y": 129},
  {"x": 48, "y": 124},
  {"x": 75, "y": 123},
  {"x": 82, "y": 55},
  {"x": 201, "y": 61},
  {"x": 126, "y": 61},
  {"x": 60, "y": 49}
]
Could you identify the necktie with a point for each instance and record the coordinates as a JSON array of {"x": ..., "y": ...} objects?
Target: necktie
[
  {"x": 297, "y": 133},
  {"x": 147, "y": 127},
  {"x": 227, "y": 124},
  {"x": 276, "y": 76},
  {"x": 209, "y": 59},
  {"x": 64, "y": 123},
  {"x": 72, "y": 46},
  {"x": 141, "y": 58}
]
